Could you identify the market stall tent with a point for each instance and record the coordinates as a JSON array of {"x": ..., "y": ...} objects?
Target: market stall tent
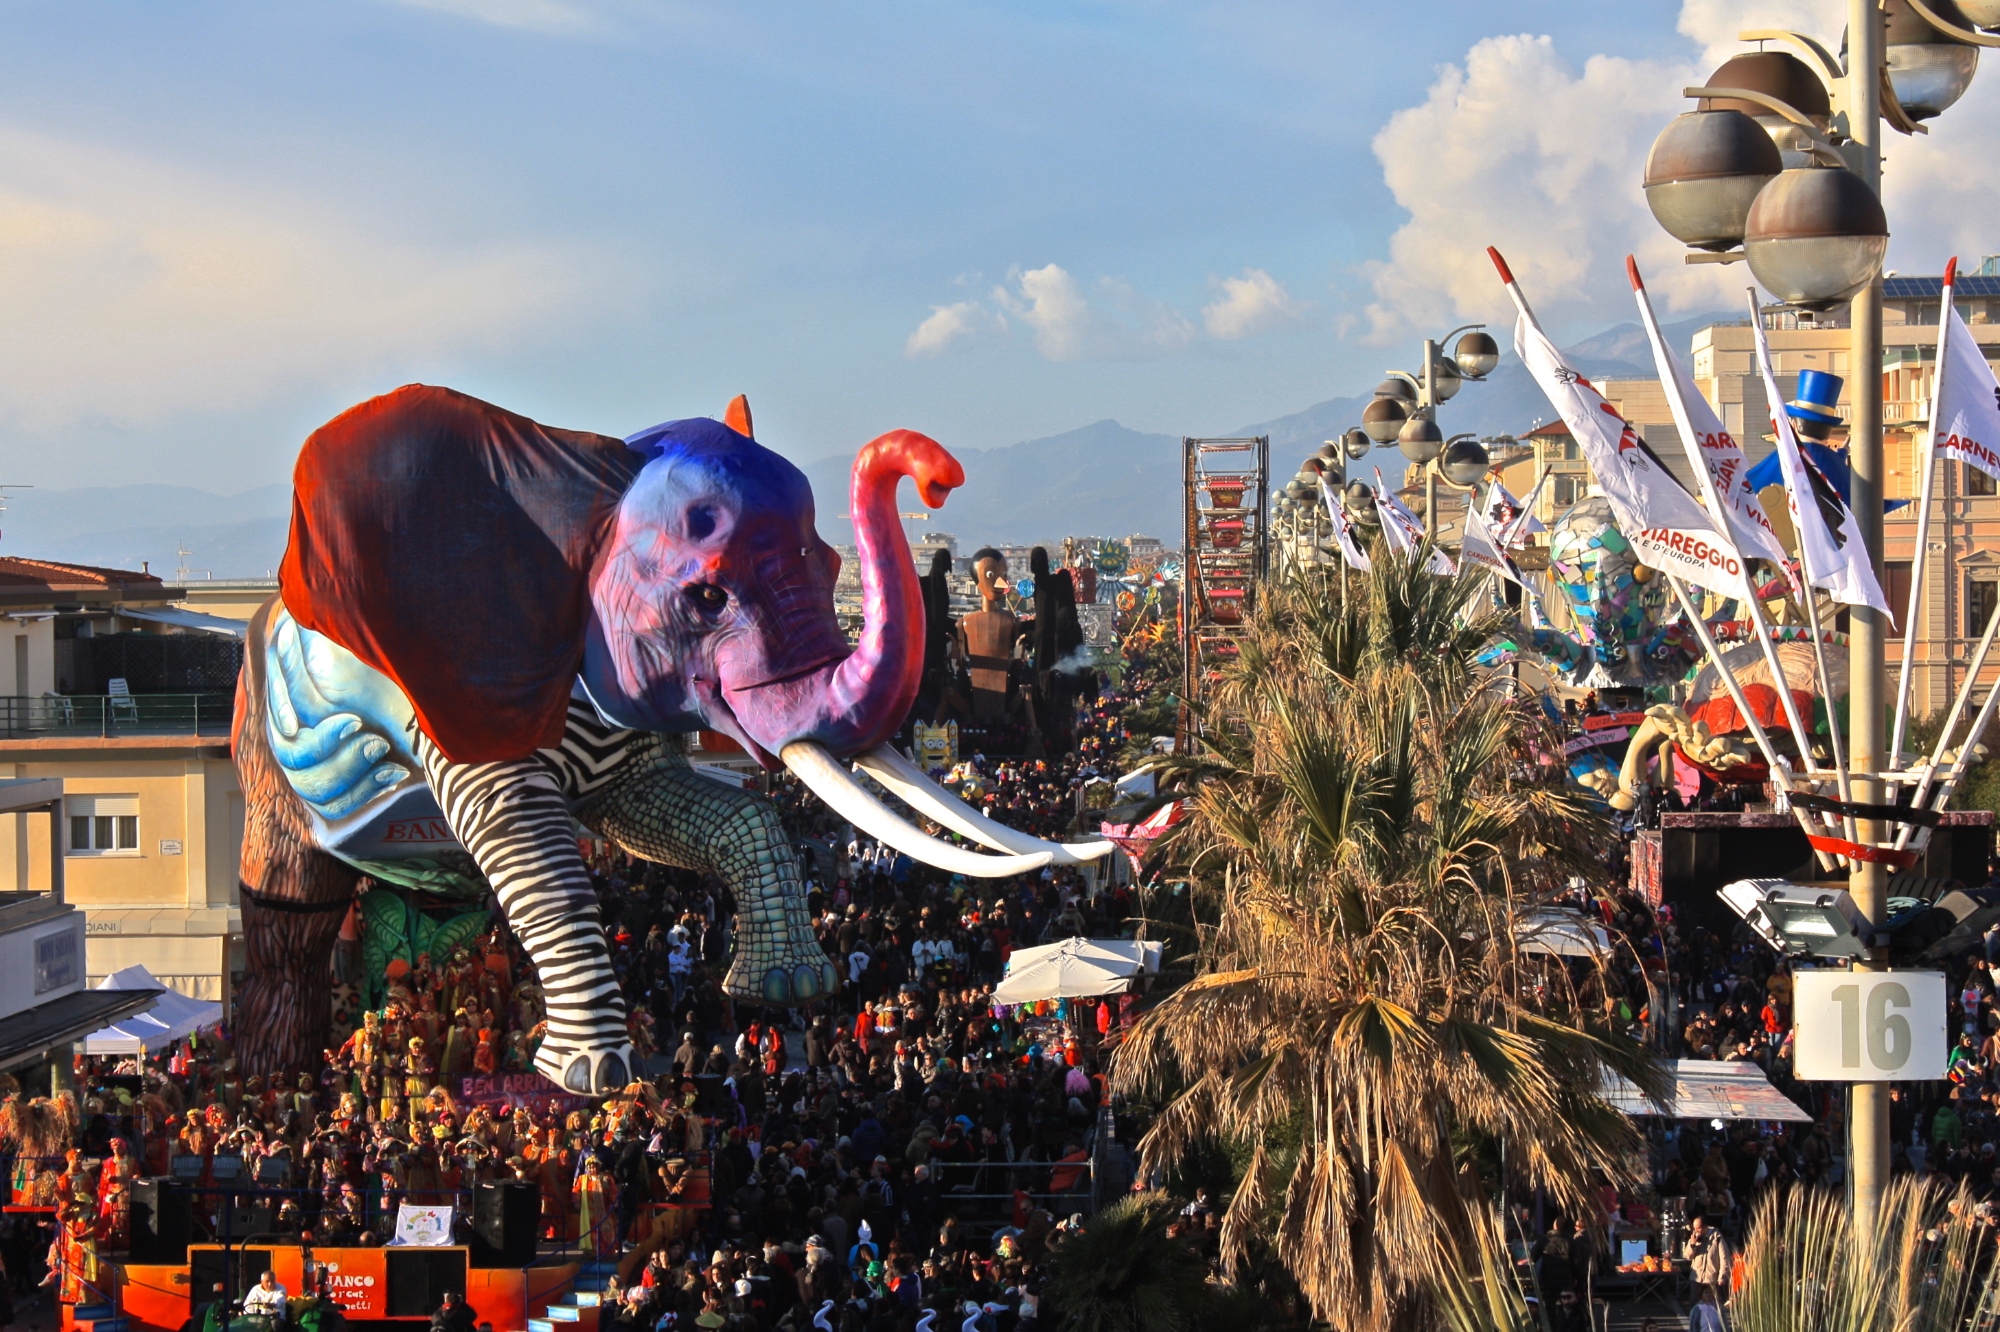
[{"x": 171, "y": 1017}]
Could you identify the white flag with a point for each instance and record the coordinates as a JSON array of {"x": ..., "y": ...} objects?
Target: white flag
[
  {"x": 1667, "y": 527},
  {"x": 1705, "y": 437},
  {"x": 1401, "y": 529},
  {"x": 1510, "y": 519},
  {"x": 1830, "y": 547},
  {"x": 1965, "y": 413},
  {"x": 1479, "y": 549},
  {"x": 1343, "y": 528}
]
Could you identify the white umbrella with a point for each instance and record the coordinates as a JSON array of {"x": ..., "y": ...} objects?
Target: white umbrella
[
  {"x": 1064, "y": 971},
  {"x": 1111, "y": 952}
]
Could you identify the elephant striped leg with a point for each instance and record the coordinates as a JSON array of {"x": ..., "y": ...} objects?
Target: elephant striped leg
[{"x": 512, "y": 819}]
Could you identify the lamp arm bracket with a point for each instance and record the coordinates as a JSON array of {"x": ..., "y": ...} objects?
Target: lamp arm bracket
[
  {"x": 1765, "y": 100},
  {"x": 1710, "y": 257},
  {"x": 1892, "y": 110},
  {"x": 1462, "y": 328},
  {"x": 1970, "y": 36},
  {"x": 1828, "y": 65},
  {"x": 1822, "y": 147}
]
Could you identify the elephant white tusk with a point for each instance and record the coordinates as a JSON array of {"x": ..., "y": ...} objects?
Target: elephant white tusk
[
  {"x": 909, "y": 783},
  {"x": 832, "y": 782}
]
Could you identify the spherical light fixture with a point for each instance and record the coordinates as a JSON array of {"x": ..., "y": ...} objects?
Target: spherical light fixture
[
  {"x": 1420, "y": 439},
  {"x": 1383, "y": 419},
  {"x": 1815, "y": 236},
  {"x": 1981, "y": 13},
  {"x": 1397, "y": 388},
  {"x": 1356, "y": 443},
  {"x": 1928, "y": 69},
  {"x": 1445, "y": 379},
  {"x": 1476, "y": 353},
  {"x": 1703, "y": 174},
  {"x": 1780, "y": 75},
  {"x": 1295, "y": 490},
  {"x": 1359, "y": 501},
  {"x": 1464, "y": 461},
  {"x": 1328, "y": 452}
]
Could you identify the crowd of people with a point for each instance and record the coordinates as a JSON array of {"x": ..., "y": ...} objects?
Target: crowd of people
[{"x": 909, "y": 1144}]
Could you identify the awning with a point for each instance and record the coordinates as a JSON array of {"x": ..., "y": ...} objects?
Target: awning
[
  {"x": 27, "y": 1034},
  {"x": 187, "y": 619},
  {"x": 174, "y": 1016},
  {"x": 1712, "y": 1089}
]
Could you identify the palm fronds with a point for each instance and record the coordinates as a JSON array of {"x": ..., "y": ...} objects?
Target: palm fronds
[
  {"x": 1925, "y": 1266},
  {"x": 1369, "y": 828}
]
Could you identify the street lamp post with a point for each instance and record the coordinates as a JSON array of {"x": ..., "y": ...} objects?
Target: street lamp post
[
  {"x": 1405, "y": 408},
  {"x": 1810, "y": 222}
]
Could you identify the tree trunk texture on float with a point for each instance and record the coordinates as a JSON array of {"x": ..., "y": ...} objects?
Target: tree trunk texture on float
[{"x": 294, "y": 899}]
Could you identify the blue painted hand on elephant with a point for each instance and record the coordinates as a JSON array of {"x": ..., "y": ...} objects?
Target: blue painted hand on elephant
[
  {"x": 485, "y": 630},
  {"x": 336, "y": 727}
]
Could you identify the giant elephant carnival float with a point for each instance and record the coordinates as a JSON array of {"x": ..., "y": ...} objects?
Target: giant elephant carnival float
[{"x": 489, "y": 632}]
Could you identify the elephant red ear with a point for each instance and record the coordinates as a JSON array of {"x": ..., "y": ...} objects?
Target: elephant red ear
[{"x": 737, "y": 418}]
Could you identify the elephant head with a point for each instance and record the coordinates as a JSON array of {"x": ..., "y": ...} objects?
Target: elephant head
[{"x": 712, "y": 606}]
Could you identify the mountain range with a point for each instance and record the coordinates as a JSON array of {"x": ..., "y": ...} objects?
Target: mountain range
[{"x": 1101, "y": 479}]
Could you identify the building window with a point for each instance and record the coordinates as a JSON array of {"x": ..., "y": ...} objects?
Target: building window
[
  {"x": 1564, "y": 489},
  {"x": 103, "y": 825},
  {"x": 1896, "y": 589},
  {"x": 1980, "y": 596},
  {"x": 1976, "y": 481}
]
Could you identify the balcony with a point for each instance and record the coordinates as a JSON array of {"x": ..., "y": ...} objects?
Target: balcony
[{"x": 52, "y": 716}]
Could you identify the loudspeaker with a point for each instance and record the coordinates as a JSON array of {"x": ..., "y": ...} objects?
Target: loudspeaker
[
  {"x": 162, "y": 1221},
  {"x": 505, "y": 1218},
  {"x": 418, "y": 1279}
]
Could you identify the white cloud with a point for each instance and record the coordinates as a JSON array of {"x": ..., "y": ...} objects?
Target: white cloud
[
  {"x": 1251, "y": 304},
  {"x": 1518, "y": 149},
  {"x": 949, "y": 325},
  {"x": 135, "y": 291},
  {"x": 1121, "y": 325},
  {"x": 531, "y": 15}
]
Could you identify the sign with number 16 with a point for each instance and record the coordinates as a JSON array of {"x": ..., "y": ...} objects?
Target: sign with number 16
[{"x": 1877, "y": 1026}]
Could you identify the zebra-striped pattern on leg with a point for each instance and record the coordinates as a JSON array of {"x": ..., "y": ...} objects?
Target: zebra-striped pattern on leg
[
  {"x": 513, "y": 820},
  {"x": 592, "y": 752}
]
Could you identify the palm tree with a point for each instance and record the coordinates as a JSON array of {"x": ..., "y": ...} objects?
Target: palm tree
[
  {"x": 1370, "y": 820},
  {"x": 1919, "y": 1269},
  {"x": 1123, "y": 1273}
]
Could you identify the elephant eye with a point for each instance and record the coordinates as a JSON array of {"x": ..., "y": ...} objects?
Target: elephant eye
[{"x": 707, "y": 596}]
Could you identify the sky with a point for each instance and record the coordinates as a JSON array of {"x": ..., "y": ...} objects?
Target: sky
[{"x": 223, "y": 223}]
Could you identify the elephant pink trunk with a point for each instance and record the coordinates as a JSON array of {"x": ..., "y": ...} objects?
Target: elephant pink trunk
[{"x": 857, "y": 703}]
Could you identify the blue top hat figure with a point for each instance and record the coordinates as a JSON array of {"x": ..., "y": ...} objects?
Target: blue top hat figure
[{"x": 1816, "y": 410}]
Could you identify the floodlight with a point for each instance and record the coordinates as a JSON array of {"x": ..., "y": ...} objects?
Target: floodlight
[{"x": 1800, "y": 921}]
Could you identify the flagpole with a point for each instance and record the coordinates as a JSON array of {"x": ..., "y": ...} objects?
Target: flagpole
[
  {"x": 1808, "y": 576},
  {"x": 1780, "y": 777},
  {"x": 1527, "y": 513},
  {"x": 1670, "y": 381},
  {"x": 1919, "y": 558},
  {"x": 1951, "y": 721},
  {"x": 1964, "y": 759}
]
